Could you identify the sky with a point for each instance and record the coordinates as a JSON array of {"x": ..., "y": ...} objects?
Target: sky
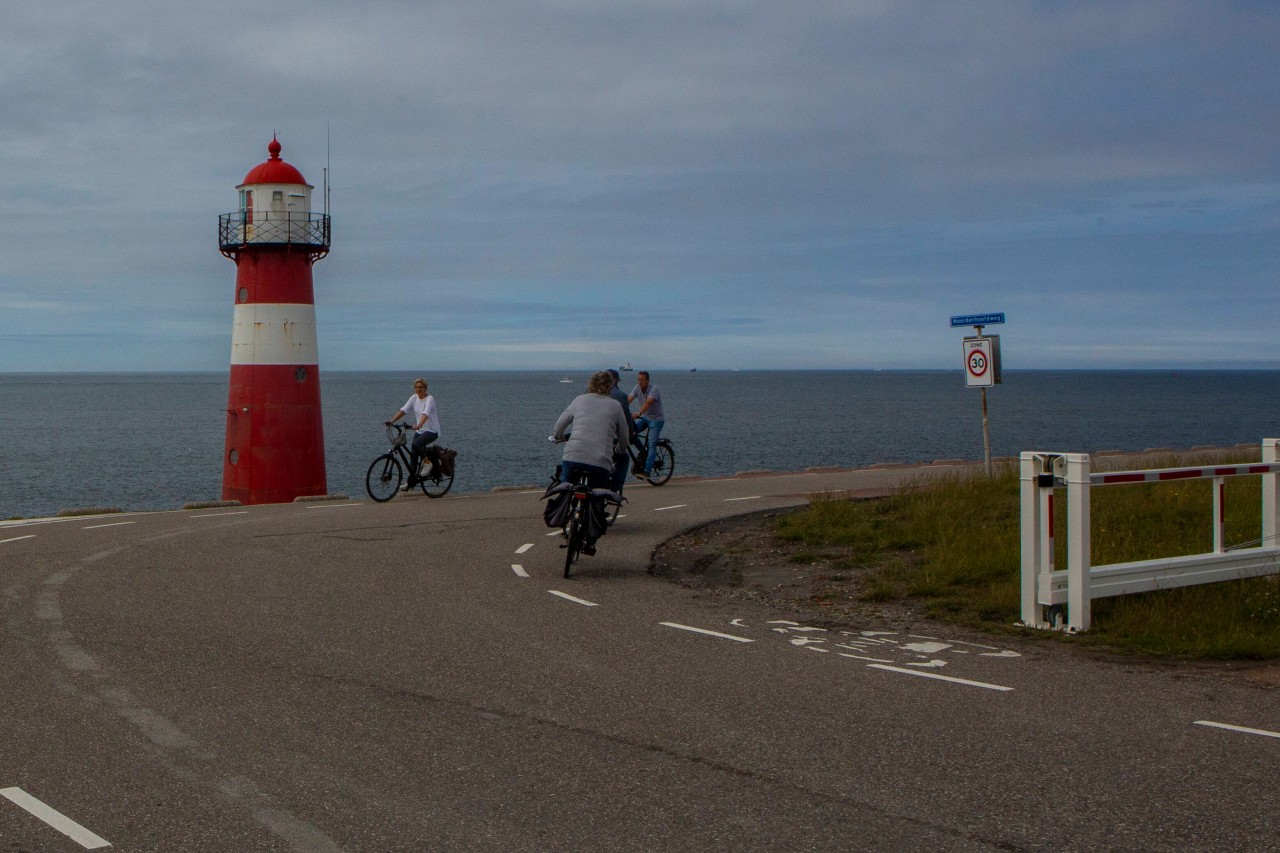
[{"x": 542, "y": 184}]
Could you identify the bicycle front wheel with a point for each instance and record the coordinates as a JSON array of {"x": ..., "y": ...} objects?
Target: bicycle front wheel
[
  {"x": 384, "y": 478},
  {"x": 664, "y": 464},
  {"x": 573, "y": 535},
  {"x": 435, "y": 485}
]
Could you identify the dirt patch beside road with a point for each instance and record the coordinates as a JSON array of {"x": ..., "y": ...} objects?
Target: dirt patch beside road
[{"x": 739, "y": 559}]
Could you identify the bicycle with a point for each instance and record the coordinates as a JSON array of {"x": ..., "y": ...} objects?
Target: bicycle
[
  {"x": 573, "y": 516},
  {"x": 664, "y": 460},
  {"x": 386, "y": 473}
]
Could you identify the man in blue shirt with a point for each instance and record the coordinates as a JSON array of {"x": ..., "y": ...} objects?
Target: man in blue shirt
[{"x": 650, "y": 415}]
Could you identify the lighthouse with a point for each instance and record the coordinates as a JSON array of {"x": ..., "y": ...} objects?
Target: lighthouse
[{"x": 274, "y": 449}]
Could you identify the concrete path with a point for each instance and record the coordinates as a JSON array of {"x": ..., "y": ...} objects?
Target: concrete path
[{"x": 418, "y": 676}]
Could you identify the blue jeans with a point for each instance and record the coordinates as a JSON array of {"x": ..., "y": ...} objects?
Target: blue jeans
[
  {"x": 597, "y": 477},
  {"x": 418, "y": 449},
  {"x": 655, "y": 432},
  {"x": 619, "y": 478}
]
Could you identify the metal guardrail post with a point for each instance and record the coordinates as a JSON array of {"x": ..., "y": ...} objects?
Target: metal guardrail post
[
  {"x": 1270, "y": 494},
  {"x": 1219, "y": 514},
  {"x": 1036, "y": 497},
  {"x": 1078, "y": 545}
]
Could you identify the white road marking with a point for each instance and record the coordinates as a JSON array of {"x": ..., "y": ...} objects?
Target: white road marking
[
  {"x": 574, "y": 599},
  {"x": 934, "y": 675},
  {"x": 58, "y": 821},
  {"x": 525, "y": 547},
  {"x": 519, "y": 570},
  {"x": 705, "y": 631},
  {"x": 331, "y": 506},
  {"x": 556, "y": 533},
  {"x": 16, "y": 538},
  {"x": 217, "y": 514},
  {"x": 749, "y": 498},
  {"x": 675, "y": 506},
  {"x": 1232, "y": 728},
  {"x": 112, "y": 524},
  {"x": 860, "y": 657}
]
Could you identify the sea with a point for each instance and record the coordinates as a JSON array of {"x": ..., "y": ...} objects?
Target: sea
[{"x": 154, "y": 441}]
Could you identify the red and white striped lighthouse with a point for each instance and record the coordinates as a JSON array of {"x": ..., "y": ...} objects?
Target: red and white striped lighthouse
[{"x": 275, "y": 437}]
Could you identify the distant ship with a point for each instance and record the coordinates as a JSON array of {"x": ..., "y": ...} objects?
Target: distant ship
[
  {"x": 693, "y": 370},
  {"x": 626, "y": 367},
  {"x": 566, "y": 381}
]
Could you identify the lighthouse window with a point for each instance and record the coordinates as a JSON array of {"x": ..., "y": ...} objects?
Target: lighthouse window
[{"x": 243, "y": 294}]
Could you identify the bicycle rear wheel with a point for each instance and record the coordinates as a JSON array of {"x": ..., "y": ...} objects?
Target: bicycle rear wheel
[
  {"x": 573, "y": 535},
  {"x": 435, "y": 484},
  {"x": 664, "y": 463},
  {"x": 384, "y": 478}
]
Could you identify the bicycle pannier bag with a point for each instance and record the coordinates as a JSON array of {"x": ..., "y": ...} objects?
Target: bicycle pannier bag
[
  {"x": 447, "y": 458},
  {"x": 556, "y": 511}
]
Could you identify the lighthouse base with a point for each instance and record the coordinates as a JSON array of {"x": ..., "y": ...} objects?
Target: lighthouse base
[{"x": 275, "y": 434}]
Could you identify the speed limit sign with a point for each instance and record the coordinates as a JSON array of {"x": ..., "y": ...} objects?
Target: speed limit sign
[{"x": 979, "y": 363}]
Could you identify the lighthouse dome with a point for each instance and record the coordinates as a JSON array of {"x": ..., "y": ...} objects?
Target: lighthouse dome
[{"x": 274, "y": 170}]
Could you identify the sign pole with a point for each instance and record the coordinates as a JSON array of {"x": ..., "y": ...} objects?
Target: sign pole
[
  {"x": 986, "y": 425},
  {"x": 986, "y": 432},
  {"x": 982, "y": 367}
]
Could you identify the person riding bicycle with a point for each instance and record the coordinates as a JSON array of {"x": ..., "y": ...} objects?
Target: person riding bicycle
[
  {"x": 594, "y": 428},
  {"x": 649, "y": 416},
  {"x": 421, "y": 408},
  {"x": 620, "y": 461}
]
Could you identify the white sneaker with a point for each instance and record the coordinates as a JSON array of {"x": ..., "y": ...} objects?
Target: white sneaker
[
  {"x": 405, "y": 487},
  {"x": 425, "y": 470}
]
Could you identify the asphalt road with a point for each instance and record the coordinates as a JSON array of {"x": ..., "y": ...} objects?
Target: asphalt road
[{"x": 418, "y": 676}]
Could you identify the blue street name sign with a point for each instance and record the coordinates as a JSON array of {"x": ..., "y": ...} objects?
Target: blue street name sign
[{"x": 977, "y": 319}]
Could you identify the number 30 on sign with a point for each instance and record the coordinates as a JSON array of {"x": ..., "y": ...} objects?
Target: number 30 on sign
[{"x": 981, "y": 362}]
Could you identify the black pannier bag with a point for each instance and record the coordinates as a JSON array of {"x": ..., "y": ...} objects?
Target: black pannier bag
[
  {"x": 597, "y": 514},
  {"x": 556, "y": 511},
  {"x": 446, "y": 459}
]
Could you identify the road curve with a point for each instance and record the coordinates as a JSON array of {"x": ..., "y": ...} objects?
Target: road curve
[{"x": 417, "y": 675}]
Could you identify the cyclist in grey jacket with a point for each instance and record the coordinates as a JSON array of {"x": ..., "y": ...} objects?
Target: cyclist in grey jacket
[{"x": 596, "y": 429}]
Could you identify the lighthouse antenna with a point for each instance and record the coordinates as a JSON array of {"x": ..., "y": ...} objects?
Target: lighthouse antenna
[{"x": 326, "y": 169}]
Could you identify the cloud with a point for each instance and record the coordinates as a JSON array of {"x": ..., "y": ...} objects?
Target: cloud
[{"x": 729, "y": 181}]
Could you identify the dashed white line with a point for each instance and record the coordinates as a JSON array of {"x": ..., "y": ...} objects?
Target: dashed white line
[
  {"x": 519, "y": 570},
  {"x": 16, "y": 538},
  {"x": 524, "y": 547},
  {"x": 218, "y": 514},
  {"x": 332, "y": 506},
  {"x": 112, "y": 524},
  {"x": 1243, "y": 729},
  {"x": 861, "y": 657},
  {"x": 57, "y": 820},
  {"x": 572, "y": 598},
  {"x": 674, "y": 506},
  {"x": 556, "y": 533},
  {"x": 933, "y": 675},
  {"x": 680, "y": 627},
  {"x": 748, "y": 498}
]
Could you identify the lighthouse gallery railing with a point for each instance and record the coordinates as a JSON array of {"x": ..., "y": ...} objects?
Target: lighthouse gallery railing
[{"x": 305, "y": 230}]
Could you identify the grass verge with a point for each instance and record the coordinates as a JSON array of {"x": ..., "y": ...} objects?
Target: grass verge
[{"x": 949, "y": 546}]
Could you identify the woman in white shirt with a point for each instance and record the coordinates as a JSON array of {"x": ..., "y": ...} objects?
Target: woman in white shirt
[{"x": 421, "y": 408}]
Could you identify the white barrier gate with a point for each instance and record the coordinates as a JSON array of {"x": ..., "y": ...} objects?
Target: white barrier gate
[{"x": 1055, "y": 599}]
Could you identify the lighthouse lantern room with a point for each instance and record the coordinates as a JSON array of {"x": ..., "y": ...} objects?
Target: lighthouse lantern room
[{"x": 274, "y": 449}]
